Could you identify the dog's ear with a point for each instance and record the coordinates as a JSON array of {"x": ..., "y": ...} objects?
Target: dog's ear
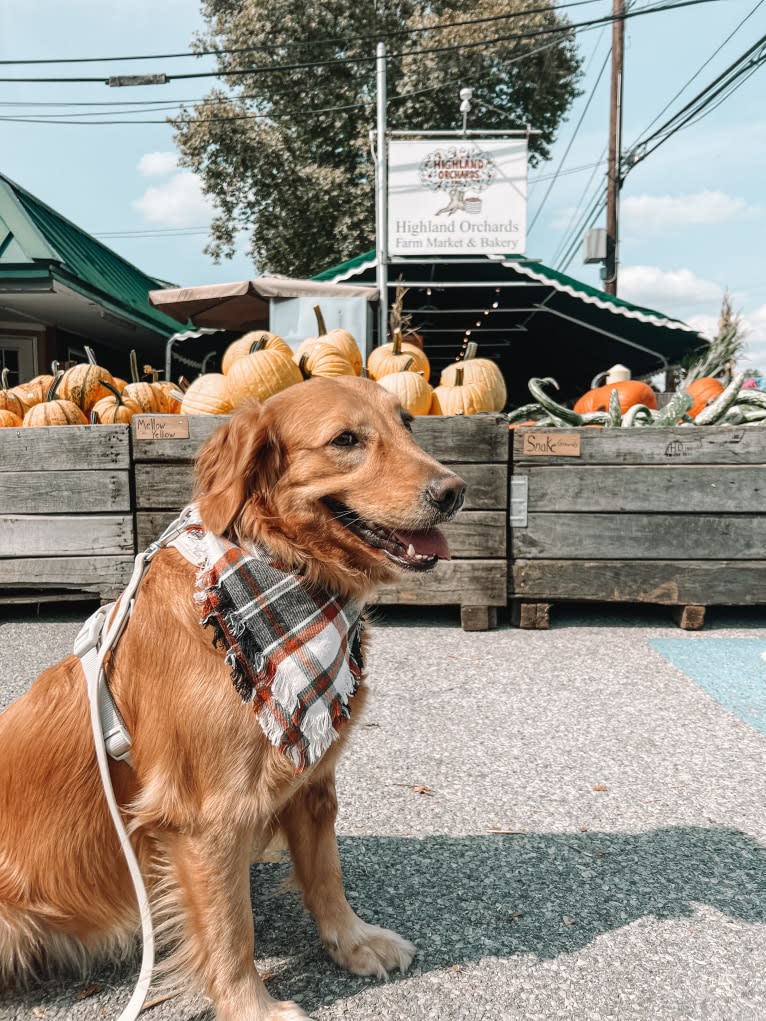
[{"x": 239, "y": 463}]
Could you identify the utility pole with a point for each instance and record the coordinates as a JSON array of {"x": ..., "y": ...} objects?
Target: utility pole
[{"x": 615, "y": 146}]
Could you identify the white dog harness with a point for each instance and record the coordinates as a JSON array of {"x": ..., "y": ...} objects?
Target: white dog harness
[
  {"x": 95, "y": 640},
  {"x": 98, "y": 636}
]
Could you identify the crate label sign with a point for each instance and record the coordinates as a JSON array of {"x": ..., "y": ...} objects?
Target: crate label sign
[
  {"x": 551, "y": 444},
  {"x": 161, "y": 427}
]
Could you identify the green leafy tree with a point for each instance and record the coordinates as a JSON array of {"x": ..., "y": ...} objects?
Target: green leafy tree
[{"x": 284, "y": 149}]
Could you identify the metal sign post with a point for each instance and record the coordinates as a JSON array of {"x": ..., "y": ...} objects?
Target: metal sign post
[{"x": 381, "y": 205}]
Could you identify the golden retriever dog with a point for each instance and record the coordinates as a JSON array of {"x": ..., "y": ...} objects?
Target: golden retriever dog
[{"x": 327, "y": 477}]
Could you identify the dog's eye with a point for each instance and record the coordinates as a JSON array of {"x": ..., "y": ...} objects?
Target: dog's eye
[
  {"x": 345, "y": 439},
  {"x": 407, "y": 421}
]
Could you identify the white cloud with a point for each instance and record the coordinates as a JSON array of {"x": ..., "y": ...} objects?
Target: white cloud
[
  {"x": 157, "y": 164},
  {"x": 754, "y": 324},
  {"x": 178, "y": 202},
  {"x": 706, "y": 325},
  {"x": 652, "y": 214},
  {"x": 669, "y": 291},
  {"x": 755, "y": 342}
]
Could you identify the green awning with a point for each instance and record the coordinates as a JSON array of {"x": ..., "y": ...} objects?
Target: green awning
[{"x": 530, "y": 319}]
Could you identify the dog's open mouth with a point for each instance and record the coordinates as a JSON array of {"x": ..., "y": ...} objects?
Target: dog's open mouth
[{"x": 416, "y": 551}]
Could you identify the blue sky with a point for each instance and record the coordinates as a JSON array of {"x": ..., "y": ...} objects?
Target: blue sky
[{"x": 693, "y": 214}]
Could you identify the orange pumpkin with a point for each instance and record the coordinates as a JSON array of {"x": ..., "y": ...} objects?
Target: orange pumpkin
[
  {"x": 8, "y": 420},
  {"x": 85, "y": 384},
  {"x": 168, "y": 402},
  {"x": 322, "y": 360},
  {"x": 143, "y": 393},
  {"x": 259, "y": 375},
  {"x": 207, "y": 395},
  {"x": 703, "y": 391},
  {"x": 35, "y": 391},
  {"x": 164, "y": 392},
  {"x": 459, "y": 398},
  {"x": 483, "y": 372},
  {"x": 9, "y": 399},
  {"x": 394, "y": 356},
  {"x": 114, "y": 409},
  {"x": 630, "y": 392},
  {"x": 54, "y": 411},
  {"x": 245, "y": 346},
  {"x": 341, "y": 340},
  {"x": 414, "y": 393}
]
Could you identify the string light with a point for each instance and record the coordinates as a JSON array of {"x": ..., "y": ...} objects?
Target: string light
[{"x": 493, "y": 307}]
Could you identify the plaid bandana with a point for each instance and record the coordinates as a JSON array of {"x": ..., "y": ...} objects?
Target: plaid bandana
[{"x": 294, "y": 653}]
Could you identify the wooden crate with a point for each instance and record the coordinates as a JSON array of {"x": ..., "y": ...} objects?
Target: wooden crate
[
  {"x": 476, "y": 448},
  {"x": 66, "y": 522},
  {"x": 670, "y": 516}
]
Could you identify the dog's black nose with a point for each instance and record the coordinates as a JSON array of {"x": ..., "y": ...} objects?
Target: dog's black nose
[{"x": 446, "y": 493}]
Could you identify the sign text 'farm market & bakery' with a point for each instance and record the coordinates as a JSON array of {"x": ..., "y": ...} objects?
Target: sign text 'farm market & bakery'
[{"x": 464, "y": 197}]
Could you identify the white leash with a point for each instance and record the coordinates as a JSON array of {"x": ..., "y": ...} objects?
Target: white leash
[{"x": 112, "y": 739}]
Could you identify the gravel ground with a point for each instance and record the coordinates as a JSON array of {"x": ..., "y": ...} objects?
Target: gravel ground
[{"x": 563, "y": 822}]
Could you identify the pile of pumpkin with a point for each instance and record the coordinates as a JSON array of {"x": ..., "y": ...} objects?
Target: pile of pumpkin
[
  {"x": 82, "y": 394},
  {"x": 260, "y": 364},
  {"x": 630, "y": 402},
  {"x": 256, "y": 365}
]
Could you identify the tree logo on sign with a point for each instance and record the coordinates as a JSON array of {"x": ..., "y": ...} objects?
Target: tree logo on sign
[{"x": 462, "y": 171}]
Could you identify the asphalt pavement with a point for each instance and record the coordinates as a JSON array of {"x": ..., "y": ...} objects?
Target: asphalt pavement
[{"x": 567, "y": 823}]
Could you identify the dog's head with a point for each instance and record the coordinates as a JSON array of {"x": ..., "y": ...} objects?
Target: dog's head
[{"x": 328, "y": 476}]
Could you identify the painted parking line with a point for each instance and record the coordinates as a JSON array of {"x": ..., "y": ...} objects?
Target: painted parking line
[{"x": 730, "y": 670}]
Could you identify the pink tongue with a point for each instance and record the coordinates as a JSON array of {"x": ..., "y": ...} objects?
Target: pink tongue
[{"x": 431, "y": 543}]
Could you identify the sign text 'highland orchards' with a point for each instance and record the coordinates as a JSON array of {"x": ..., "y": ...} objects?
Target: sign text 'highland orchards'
[{"x": 465, "y": 197}]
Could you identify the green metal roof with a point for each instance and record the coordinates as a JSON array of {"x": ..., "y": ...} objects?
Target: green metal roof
[
  {"x": 32, "y": 233},
  {"x": 536, "y": 271}
]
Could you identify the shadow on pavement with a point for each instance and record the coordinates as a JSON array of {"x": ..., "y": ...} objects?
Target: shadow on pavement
[
  {"x": 466, "y": 898},
  {"x": 461, "y": 899}
]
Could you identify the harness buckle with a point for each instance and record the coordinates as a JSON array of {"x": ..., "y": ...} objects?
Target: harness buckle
[
  {"x": 89, "y": 635},
  {"x": 116, "y": 737}
]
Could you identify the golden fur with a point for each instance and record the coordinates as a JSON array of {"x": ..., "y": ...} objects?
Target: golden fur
[{"x": 207, "y": 787}]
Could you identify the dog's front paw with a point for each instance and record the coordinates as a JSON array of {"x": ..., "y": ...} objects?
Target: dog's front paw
[{"x": 365, "y": 949}]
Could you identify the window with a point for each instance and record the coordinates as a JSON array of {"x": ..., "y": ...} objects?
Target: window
[{"x": 18, "y": 354}]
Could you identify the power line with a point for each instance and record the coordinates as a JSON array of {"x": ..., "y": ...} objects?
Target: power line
[
  {"x": 702, "y": 67},
  {"x": 699, "y": 103},
  {"x": 585, "y": 109},
  {"x": 566, "y": 173},
  {"x": 450, "y": 83},
  {"x": 720, "y": 89},
  {"x": 586, "y": 222},
  {"x": 405, "y": 54},
  {"x": 270, "y": 47},
  {"x": 595, "y": 211},
  {"x": 564, "y": 243},
  {"x": 159, "y": 104}
]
